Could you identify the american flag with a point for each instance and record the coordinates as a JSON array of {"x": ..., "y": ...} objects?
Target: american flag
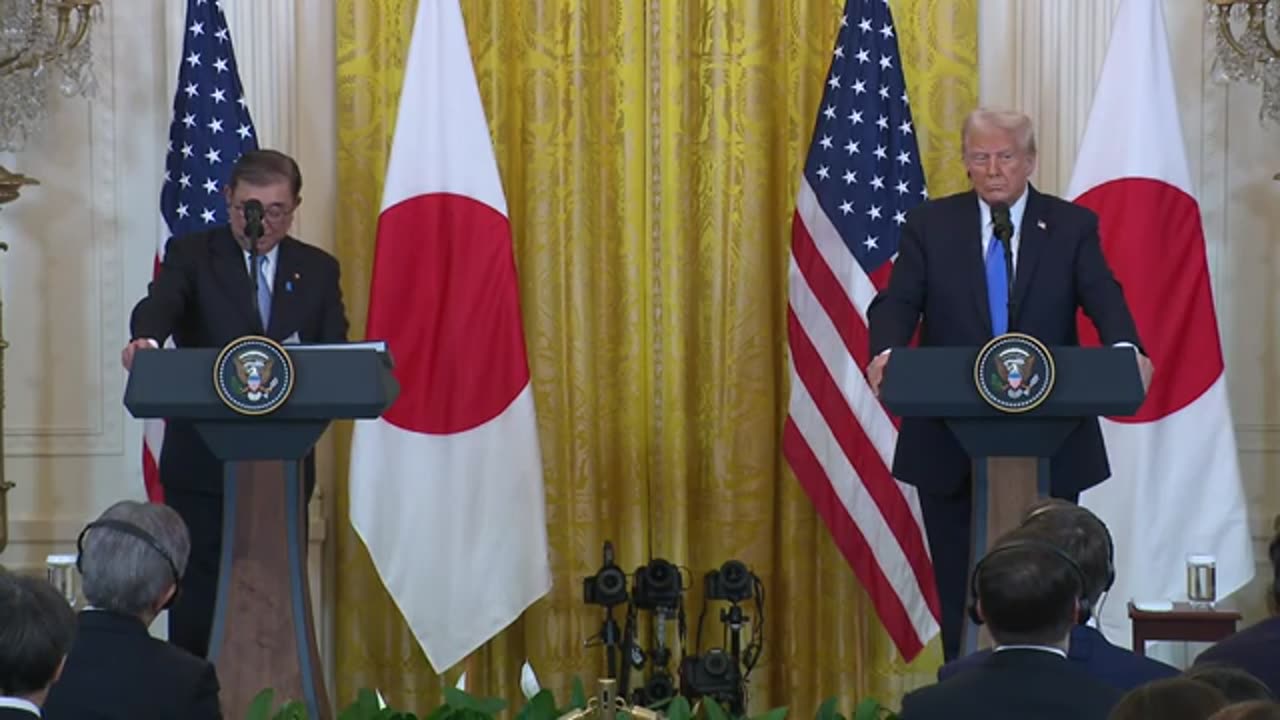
[
  {"x": 209, "y": 130},
  {"x": 861, "y": 177}
]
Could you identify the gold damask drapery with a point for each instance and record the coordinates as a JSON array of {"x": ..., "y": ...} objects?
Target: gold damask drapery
[{"x": 650, "y": 152}]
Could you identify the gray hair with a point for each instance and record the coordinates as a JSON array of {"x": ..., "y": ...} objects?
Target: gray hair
[
  {"x": 125, "y": 574},
  {"x": 1011, "y": 121}
]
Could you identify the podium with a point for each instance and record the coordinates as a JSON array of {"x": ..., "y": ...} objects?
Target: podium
[
  {"x": 263, "y": 631},
  {"x": 1010, "y": 451}
]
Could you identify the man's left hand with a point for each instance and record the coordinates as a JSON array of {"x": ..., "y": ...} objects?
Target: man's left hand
[{"x": 1145, "y": 369}]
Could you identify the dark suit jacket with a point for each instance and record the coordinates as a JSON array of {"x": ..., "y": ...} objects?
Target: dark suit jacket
[
  {"x": 117, "y": 671},
  {"x": 1091, "y": 652},
  {"x": 1256, "y": 650},
  {"x": 203, "y": 297},
  {"x": 939, "y": 283},
  {"x": 1014, "y": 685}
]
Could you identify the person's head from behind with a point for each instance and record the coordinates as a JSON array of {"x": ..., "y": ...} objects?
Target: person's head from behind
[
  {"x": 1252, "y": 710},
  {"x": 37, "y": 626},
  {"x": 272, "y": 179},
  {"x": 1170, "y": 699},
  {"x": 1235, "y": 684},
  {"x": 1083, "y": 536},
  {"x": 1027, "y": 591},
  {"x": 132, "y": 558},
  {"x": 999, "y": 148}
]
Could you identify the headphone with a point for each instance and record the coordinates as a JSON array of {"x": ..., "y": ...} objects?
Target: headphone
[
  {"x": 975, "y": 616},
  {"x": 1086, "y": 605},
  {"x": 134, "y": 531}
]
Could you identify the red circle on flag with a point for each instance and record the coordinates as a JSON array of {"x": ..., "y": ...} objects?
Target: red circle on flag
[
  {"x": 445, "y": 298},
  {"x": 1153, "y": 240}
]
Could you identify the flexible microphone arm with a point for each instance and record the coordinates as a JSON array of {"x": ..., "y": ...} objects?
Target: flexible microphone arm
[
  {"x": 1003, "y": 225},
  {"x": 253, "y": 232}
]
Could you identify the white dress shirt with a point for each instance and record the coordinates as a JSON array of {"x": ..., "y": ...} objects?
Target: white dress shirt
[
  {"x": 1016, "y": 211},
  {"x": 18, "y": 703},
  {"x": 269, "y": 269},
  {"x": 1040, "y": 648}
]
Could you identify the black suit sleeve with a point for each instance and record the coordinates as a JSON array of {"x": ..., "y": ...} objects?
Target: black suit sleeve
[
  {"x": 894, "y": 313},
  {"x": 1099, "y": 292},
  {"x": 167, "y": 296},
  {"x": 333, "y": 322},
  {"x": 204, "y": 698}
]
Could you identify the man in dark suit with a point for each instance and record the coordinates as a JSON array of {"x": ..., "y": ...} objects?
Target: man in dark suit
[
  {"x": 1085, "y": 538},
  {"x": 950, "y": 280},
  {"x": 204, "y": 297},
  {"x": 131, "y": 560},
  {"x": 36, "y": 630},
  {"x": 1256, "y": 649},
  {"x": 1028, "y": 593}
]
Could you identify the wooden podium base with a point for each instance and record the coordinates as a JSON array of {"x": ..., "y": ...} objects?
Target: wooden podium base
[
  {"x": 263, "y": 633},
  {"x": 1003, "y": 488}
]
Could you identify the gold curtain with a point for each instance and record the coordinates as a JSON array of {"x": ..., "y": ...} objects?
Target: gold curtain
[{"x": 650, "y": 152}]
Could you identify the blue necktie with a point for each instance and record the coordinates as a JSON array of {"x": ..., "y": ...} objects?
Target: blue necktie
[
  {"x": 997, "y": 287},
  {"x": 264, "y": 293}
]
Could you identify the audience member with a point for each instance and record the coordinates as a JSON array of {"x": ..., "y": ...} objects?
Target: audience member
[
  {"x": 36, "y": 630},
  {"x": 1252, "y": 710},
  {"x": 1257, "y": 648},
  {"x": 1083, "y": 536},
  {"x": 1028, "y": 593},
  {"x": 131, "y": 560},
  {"x": 1237, "y": 685},
  {"x": 1170, "y": 699}
]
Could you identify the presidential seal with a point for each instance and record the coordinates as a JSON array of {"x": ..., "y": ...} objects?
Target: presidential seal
[
  {"x": 1014, "y": 373},
  {"x": 253, "y": 375}
]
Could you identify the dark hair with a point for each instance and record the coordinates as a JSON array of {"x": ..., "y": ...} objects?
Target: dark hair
[
  {"x": 1252, "y": 710},
  {"x": 264, "y": 167},
  {"x": 1236, "y": 684},
  {"x": 1080, "y": 534},
  {"x": 1169, "y": 699},
  {"x": 1273, "y": 550},
  {"x": 1027, "y": 590},
  {"x": 37, "y": 626}
]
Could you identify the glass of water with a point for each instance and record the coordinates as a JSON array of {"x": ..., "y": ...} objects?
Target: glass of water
[
  {"x": 1202, "y": 580},
  {"x": 61, "y": 571}
]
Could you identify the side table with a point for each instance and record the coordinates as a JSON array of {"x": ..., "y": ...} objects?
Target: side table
[{"x": 1183, "y": 622}]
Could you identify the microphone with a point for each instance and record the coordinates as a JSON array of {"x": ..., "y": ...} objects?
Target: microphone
[
  {"x": 253, "y": 213},
  {"x": 1003, "y": 225},
  {"x": 253, "y": 231}
]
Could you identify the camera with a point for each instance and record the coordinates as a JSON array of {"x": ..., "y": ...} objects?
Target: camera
[
  {"x": 732, "y": 582},
  {"x": 715, "y": 675},
  {"x": 661, "y": 686},
  {"x": 608, "y": 587},
  {"x": 657, "y": 586}
]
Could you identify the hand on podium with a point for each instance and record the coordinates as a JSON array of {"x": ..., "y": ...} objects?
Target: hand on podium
[
  {"x": 126, "y": 355},
  {"x": 1145, "y": 369},
  {"x": 875, "y": 372}
]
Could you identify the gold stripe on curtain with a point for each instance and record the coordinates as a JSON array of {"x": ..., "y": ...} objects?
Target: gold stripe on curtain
[{"x": 650, "y": 153}]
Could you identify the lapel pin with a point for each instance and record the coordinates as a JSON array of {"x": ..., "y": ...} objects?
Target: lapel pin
[
  {"x": 1042, "y": 225},
  {"x": 288, "y": 285}
]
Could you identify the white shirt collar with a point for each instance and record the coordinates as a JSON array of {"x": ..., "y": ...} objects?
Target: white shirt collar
[
  {"x": 1042, "y": 648},
  {"x": 273, "y": 252},
  {"x": 18, "y": 703},
  {"x": 268, "y": 268}
]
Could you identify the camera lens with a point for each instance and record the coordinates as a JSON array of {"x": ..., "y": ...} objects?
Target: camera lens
[
  {"x": 735, "y": 578},
  {"x": 716, "y": 664},
  {"x": 611, "y": 582}
]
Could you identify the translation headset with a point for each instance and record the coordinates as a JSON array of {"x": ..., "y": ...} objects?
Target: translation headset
[
  {"x": 1086, "y": 605},
  {"x": 975, "y": 616},
  {"x": 133, "y": 531}
]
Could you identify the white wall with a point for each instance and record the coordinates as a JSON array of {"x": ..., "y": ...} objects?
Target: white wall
[
  {"x": 82, "y": 244},
  {"x": 1043, "y": 57}
]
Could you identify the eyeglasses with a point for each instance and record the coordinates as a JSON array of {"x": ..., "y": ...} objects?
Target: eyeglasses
[{"x": 274, "y": 213}]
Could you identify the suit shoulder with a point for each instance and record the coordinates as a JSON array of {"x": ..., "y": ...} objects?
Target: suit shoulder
[
  {"x": 945, "y": 206},
  {"x": 192, "y": 243},
  {"x": 1066, "y": 211},
  {"x": 312, "y": 254}
]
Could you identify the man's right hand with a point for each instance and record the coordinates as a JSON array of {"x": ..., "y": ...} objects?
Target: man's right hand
[
  {"x": 126, "y": 356},
  {"x": 875, "y": 372}
]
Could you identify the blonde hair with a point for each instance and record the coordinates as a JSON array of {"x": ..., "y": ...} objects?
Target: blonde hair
[{"x": 1011, "y": 121}]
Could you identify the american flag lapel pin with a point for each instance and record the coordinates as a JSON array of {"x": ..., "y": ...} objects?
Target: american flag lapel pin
[{"x": 1042, "y": 225}]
